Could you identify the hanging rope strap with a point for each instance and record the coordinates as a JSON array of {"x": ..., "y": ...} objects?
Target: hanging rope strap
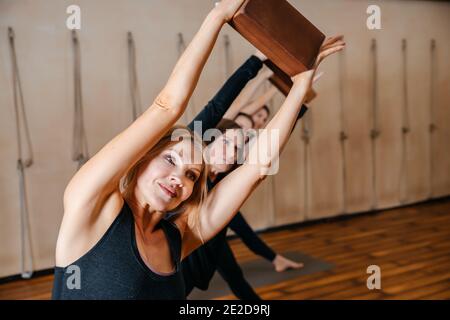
[
  {"x": 132, "y": 76},
  {"x": 374, "y": 132},
  {"x": 343, "y": 136},
  {"x": 228, "y": 58},
  {"x": 432, "y": 126},
  {"x": 403, "y": 181},
  {"x": 23, "y": 162},
  {"x": 80, "y": 145},
  {"x": 189, "y": 113},
  {"x": 306, "y": 137}
]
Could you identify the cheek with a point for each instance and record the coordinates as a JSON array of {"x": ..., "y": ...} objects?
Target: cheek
[
  {"x": 230, "y": 152},
  {"x": 145, "y": 176},
  {"x": 154, "y": 170}
]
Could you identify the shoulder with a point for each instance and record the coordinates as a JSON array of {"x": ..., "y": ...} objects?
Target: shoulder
[{"x": 79, "y": 232}]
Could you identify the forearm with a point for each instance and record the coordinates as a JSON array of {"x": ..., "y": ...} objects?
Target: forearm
[
  {"x": 214, "y": 111},
  {"x": 225, "y": 199},
  {"x": 186, "y": 73},
  {"x": 260, "y": 102},
  {"x": 302, "y": 112},
  {"x": 268, "y": 146},
  {"x": 246, "y": 94}
]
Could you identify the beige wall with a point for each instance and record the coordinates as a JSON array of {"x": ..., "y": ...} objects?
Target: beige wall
[{"x": 45, "y": 61}]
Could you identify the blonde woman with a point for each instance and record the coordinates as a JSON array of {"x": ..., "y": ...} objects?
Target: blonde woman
[{"x": 114, "y": 237}]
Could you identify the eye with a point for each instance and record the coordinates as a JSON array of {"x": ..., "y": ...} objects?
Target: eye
[
  {"x": 191, "y": 175},
  {"x": 169, "y": 159}
]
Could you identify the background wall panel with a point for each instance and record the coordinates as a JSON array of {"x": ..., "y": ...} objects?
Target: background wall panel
[{"x": 44, "y": 51}]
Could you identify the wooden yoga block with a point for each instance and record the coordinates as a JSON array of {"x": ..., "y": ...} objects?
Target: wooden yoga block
[
  {"x": 283, "y": 82},
  {"x": 279, "y": 31},
  {"x": 279, "y": 78}
]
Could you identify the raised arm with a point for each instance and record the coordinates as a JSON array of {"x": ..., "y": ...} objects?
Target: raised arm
[
  {"x": 225, "y": 199},
  {"x": 214, "y": 111},
  {"x": 100, "y": 176},
  {"x": 258, "y": 103},
  {"x": 247, "y": 93}
]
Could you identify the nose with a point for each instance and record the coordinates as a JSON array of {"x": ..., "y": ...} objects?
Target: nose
[{"x": 176, "y": 180}]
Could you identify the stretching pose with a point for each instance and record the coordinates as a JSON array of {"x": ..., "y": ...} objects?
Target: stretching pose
[
  {"x": 113, "y": 237},
  {"x": 200, "y": 266},
  {"x": 243, "y": 107}
]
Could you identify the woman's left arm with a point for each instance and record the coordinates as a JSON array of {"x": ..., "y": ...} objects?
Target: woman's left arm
[
  {"x": 225, "y": 199},
  {"x": 259, "y": 102}
]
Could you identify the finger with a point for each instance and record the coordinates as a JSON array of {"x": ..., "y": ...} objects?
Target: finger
[
  {"x": 332, "y": 39},
  {"x": 337, "y": 43},
  {"x": 330, "y": 51}
]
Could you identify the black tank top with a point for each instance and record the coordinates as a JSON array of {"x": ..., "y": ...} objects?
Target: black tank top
[{"x": 114, "y": 269}]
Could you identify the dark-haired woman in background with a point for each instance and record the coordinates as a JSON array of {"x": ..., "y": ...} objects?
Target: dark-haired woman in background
[{"x": 199, "y": 267}]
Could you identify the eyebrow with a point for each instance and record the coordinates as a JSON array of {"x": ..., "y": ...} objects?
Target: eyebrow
[
  {"x": 181, "y": 155},
  {"x": 195, "y": 169}
]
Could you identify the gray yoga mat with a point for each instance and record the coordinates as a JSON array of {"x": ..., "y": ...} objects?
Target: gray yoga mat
[{"x": 260, "y": 272}]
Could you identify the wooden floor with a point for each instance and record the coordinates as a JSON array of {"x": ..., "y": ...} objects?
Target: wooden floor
[{"x": 411, "y": 246}]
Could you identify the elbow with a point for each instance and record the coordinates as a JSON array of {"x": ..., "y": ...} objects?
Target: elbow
[
  {"x": 171, "y": 102},
  {"x": 77, "y": 196},
  {"x": 166, "y": 101}
]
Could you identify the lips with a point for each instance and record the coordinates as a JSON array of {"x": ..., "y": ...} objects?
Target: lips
[{"x": 167, "y": 190}]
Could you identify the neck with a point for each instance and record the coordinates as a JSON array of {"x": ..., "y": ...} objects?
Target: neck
[{"x": 145, "y": 217}]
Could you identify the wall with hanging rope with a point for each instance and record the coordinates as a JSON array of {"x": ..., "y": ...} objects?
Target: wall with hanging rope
[{"x": 375, "y": 137}]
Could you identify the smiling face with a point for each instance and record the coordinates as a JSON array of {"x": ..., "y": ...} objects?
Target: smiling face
[
  {"x": 170, "y": 177},
  {"x": 222, "y": 153},
  {"x": 260, "y": 118}
]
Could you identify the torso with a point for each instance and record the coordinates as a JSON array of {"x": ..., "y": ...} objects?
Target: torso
[
  {"x": 121, "y": 264},
  {"x": 153, "y": 245}
]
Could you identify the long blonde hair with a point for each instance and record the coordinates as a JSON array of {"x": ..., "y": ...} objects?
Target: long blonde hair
[{"x": 191, "y": 205}]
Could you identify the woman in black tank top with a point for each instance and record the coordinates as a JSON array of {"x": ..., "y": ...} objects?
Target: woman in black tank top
[{"x": 115, "y": 241}]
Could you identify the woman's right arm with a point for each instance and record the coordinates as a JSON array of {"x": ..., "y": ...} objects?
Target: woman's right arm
[
  {"x": 100, "y": 176},
  {"x": 259, "y": 102},
  {"x": 225, "y": 199},
  {"x": 247, "y": 93},
  {"x": 214, "y": 111}
]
